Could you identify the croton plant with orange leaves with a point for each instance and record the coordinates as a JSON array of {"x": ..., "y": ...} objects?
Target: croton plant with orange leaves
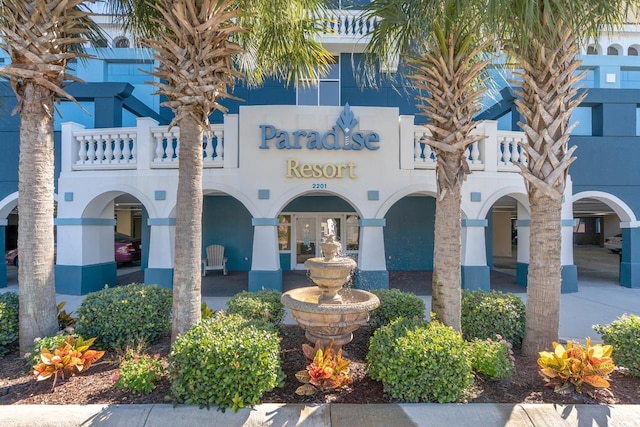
[
  {"x": 576, "y": 367},
  {"x": 71, "y": 357},
  {"x": 327, "y": 370}
]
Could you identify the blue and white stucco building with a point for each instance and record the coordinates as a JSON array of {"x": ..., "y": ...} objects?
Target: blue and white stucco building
[{"x": 286, "y": 160}]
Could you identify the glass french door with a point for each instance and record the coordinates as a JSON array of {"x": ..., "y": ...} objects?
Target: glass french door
[
  {"x": 310, "y": 229},
  {"x": 306, "y": 240}
]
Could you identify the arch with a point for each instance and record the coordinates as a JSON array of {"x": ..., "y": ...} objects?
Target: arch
[
  {"x": 100, "y": 43},
  {"x": 624, "y": 212},
  {"x": 614, "y": 50},
  {"x": 303, "y": 190},
  {"x": 121, "y": 42},
  {"x": 633, "y": 50},
  {"x": 514, "y": 192},
  {"x": 11, "y": 201},
  {"x": 405, "y": 191},
  {"x": 8, "y": 204},
  {"x": 95, "y": 206},
  {"x": 594, "y": 49},
  {"x": 230, "y": 191}
]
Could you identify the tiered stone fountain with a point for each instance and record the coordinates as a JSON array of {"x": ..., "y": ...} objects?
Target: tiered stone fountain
[{"x": 328, "y": 312}]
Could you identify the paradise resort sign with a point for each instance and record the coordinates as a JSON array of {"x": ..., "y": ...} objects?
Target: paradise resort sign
[{"x": 341, "y": 136}]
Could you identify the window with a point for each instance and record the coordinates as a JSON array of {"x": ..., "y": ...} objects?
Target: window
[
  {"x": 284, "y": 232},
  {"x": 632, "y": 51},
  {"x": 121, "y": 42},
  {"x": 612, "y": 50},
  {"x": 326, "y": 91},
  {"x": 592, "y": 50}
]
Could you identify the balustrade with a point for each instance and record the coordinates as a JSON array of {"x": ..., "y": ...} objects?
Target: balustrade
[{"x": 118, "y": 148}]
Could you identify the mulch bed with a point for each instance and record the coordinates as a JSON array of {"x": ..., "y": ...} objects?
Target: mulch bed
[{"x": 17, "y": 386}]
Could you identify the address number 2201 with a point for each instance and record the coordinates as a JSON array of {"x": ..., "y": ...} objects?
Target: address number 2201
[{"x": 318, "y": 186}]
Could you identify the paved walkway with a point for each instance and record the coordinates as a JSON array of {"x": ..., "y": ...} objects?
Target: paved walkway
[{"x": 599, "y": 301}]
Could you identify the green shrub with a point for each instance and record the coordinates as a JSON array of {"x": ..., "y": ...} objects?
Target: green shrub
[
  {"x": 393, "y": 304},
  {"x": 624, "y": 335},
  {"x": 493, "y": 359},
  {"x": 8, "y": 320},
  {"x": 420, "y": 362},
  {"x": 489, "y": 314},
  {"x": 139, "y": 372},
  {"x": 226, "y": 361},
  {"x": 125, "y": 316},
  {"x": 49, "y": 343},
  {"x": 262, "y": 306}
]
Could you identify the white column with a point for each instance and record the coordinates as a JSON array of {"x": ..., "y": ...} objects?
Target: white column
[
  {"x": 523, "y": 230},
  {"x": 231, "y": 141},
  {"x": 568, "y": 224},
  {"x": 474, "y": 251},
  {"x": 406, "y": 142},
  {"x": 145, "y": 147},
  {"x": 489, "y": 147},
  {"x": 371, "y": 255},
  {"x": 161, "y": 242},
  {"x": 265, "y": 256},
  {"x": 68, "y": 147}
]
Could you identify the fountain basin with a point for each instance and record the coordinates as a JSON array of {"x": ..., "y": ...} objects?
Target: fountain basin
[
  {"x": 329, "y": 276},
  {"x": 332, "y": 321}
]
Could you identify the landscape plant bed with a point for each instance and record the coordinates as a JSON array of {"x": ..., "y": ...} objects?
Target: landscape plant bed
[{"x": 95, "y": 386}]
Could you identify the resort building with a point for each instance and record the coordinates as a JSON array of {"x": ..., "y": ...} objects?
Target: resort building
[{"x": 290, "y": 164}]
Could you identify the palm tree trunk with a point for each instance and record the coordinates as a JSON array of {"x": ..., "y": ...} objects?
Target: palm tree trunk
[
  {"x": 549, "y": 95},
  {"x": 446, "y": 283},
  {"x": 187, "y": 279},
  {"x": 37, "y": 296},
  {"x": 544, "y": 277}
]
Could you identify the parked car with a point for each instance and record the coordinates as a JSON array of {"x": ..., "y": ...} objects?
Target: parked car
[
  {"x": 614, "y": 243},
  {"x": 127, "y": 249}
]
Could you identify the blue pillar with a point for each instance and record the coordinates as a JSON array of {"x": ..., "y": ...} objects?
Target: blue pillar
[{"x": 630, "y": 258}]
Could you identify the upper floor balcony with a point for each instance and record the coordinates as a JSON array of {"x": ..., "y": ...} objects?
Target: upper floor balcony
[{"x": 151, "y": 147}]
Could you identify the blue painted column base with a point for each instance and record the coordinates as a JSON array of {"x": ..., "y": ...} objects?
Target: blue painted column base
[
  {"x": 84, "y": 279},
  {"x": 630, "y": 274},
  {"x": 522, "y": 272},
  {"x": 370, "y": 279},
  {"x": 3, "y": 275},
  {"x": 265, "y": 279},
  {"x": 476, "y": 277},
  {"x": 569, "y": 277},
  {"x": 162, "y": 277}
]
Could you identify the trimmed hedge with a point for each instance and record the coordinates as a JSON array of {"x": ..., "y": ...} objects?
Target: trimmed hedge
[
  {"x": 624, "y": 335},
  {"x": 493, "y": 314},
  {"x": 9, "y": 326},
  {"x": 262, "y": 306},
  {"x": 394, "y": 304},
  {"x": 226, "y": 361},
  {"x": 420, "y": 362},
  {"x": 125, "y": 316}
]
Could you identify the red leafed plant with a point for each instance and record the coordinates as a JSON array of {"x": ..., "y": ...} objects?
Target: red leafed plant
[
  {"x": 327, "y": 370},
  {"x": 576, "y": 367},
  {"x": 71, "y": 357}
]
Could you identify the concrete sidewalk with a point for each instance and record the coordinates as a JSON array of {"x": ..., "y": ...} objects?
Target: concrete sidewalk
[
  {"x": 326, "y": 415},
  {"x": 596, "y": 302}
]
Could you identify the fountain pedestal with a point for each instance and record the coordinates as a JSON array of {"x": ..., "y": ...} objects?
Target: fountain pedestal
[{"x": 327, "y": 312}]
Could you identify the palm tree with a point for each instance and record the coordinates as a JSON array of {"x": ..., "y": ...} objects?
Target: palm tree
[
  {"x": 202, "y": 48},
  {"x": 442, "y": 43},
  {"x": 544, "y": 38},
  {"x": 41, "y": 37}
]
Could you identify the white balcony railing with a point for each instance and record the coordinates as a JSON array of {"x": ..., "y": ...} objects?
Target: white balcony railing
[
  {"x": 117, "y": 148},
  {"x": 503, "y": 143},
  {"x": 149, "y": 146}
]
